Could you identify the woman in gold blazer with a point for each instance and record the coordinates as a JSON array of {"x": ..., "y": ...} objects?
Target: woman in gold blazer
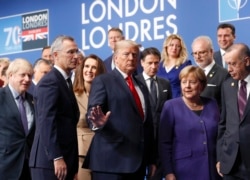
[{"x": 91, "y": 67}]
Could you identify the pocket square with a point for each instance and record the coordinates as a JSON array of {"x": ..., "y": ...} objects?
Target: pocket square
[
  {"x": 165, "y": 90},
  {"x": 211, "y": 85}
]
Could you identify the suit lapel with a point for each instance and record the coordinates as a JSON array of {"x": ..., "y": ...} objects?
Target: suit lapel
[
  {"x": 11, "y": 103},
  {"x": 212, "y": 73},
  {"x": 124, "y": 85}
]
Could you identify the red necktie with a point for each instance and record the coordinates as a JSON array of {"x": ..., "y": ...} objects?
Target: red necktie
[
  {"x": 242, "y": 97},
  {"x": 135, "y": 94}
]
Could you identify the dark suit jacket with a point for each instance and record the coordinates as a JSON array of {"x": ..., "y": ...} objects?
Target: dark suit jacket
[
  {"x": 164, "y": 93},
  {"x": 125, "y": 141},
  {"x": 14, "y": 144},
  {"x": 215, "y": 78},
  {"x": 31, "y": 88},
  {"x": 108, "y": 62},
  {"x": 233, "y": 133},
  {"x": 57, "y": 115},
  {"x": 218, "y": 58}
]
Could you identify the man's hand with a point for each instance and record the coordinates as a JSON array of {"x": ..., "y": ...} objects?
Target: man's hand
[
  {"x": 60, "y": 169},
  {"x": 97, "y": 117},
  {"x": 218, "y": 169}
]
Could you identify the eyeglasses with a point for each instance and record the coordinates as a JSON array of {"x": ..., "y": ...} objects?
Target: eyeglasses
[
  {"x": 199, "y": 53},
  {"x": 71, "y": 52}
]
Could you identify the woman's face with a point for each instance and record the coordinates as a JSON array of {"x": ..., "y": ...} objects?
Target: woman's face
[
  {"x": 89, "y": 69},
  {"x": 190, "y": 86},
  {"x": 174, "y": 48}
]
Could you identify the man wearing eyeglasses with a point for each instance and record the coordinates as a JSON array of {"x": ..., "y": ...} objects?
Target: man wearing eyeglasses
[
  {"x": 54, "y": 154},
  {"x": 202, "y": 48}
]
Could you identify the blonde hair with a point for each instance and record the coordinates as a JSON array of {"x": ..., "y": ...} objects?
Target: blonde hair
[
  {"x": 183, "y": 51},
  {"x": 18, "y": 64},
  {"x": 197, "y": 72}
]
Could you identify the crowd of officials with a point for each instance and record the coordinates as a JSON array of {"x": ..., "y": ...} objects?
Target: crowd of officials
[{"x": 139, "y": 114}]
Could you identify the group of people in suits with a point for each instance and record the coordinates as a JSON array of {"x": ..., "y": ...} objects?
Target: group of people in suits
[{"x": 84, "y": 131}]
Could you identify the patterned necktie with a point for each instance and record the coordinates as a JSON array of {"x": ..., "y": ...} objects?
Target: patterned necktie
[
  {"x": 135, "y": 95},
  {"x": 23, "y": 114},
  {"x": 153, "y": 90},
  {"x": 242, "y": 97}
]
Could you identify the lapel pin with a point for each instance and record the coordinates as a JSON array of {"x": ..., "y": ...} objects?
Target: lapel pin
[{"x": 232, "y": 84}]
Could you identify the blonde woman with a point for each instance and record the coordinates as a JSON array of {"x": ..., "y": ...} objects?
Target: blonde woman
[{"x": 174, "y": 59}]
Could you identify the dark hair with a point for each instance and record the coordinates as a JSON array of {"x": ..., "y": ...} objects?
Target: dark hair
[
  {"x": 227, "y": 25},
  {"x": 116, "y": 29},
  {"x": 45, "y": 47},
  {"x": 78, "y": 84},
  {"x": 150, "y": 50},
  {"x": 41, "y": 60}
]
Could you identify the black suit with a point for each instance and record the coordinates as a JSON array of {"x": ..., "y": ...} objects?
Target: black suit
[
  {"x": 125, "y": 143},
  {"x": 15, "y": 145},
  {"x": 57, "y": 115},
  {"x": 218, "y": 58},
  {"x": 164, "y": 94},
  {"x": 31, "y": 88},
  {"x": 215, "y": 78},
  {"x": 233, "y": 134}
]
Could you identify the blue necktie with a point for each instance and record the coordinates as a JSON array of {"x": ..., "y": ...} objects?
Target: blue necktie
[{"x": 23, "y": 114}]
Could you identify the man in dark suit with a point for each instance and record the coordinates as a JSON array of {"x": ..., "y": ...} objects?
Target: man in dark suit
[
  {"x": 202, "y": 48},
  {"x": 123, "y": 144},
  {"x": 225, "y": 38},
  {"x": 234, "y": 131},
  {"x": 16, "y": 122},
  {"x": 54, "y": 153},
  {"x": 150, "y": 62},
  {"x": 41, "y": 67},
  {"x": 114, "y": 35}
]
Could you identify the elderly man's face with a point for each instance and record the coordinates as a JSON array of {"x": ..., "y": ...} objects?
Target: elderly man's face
[
  {"x": 67, "y": 58},
  {"x": 126, "y": 59},
  {"x": 21, "y": 80}
]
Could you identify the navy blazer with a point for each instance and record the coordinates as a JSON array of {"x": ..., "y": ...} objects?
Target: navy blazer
[
  {"x": 15, "y": 146},
  {"x": 218, "y": 58},
  {"x": 31, "y": 88},
  {"x": 126, "y": 140},
  {"x": 57, "y": 115},
  {"x": 233, "y": 133},
  {"x": 215, "y": 78}
]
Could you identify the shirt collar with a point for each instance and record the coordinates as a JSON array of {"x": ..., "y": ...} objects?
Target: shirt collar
[
  {"x": 64, "y": 74},
  {"x": 208, "y": 68},
  {"x": 146, "y": 77}
]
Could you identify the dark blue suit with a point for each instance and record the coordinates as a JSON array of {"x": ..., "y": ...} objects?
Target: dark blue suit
[
  {"x": 31, "y": 88},
  {"x": 215, "y": 78},
  {"x": 15, "y": 146},
  {"x": 126, "y": 140},
  {"x": 57, "y": 115},
  {"x": 233, "y": 142},
  {"x": 218, "y": 58}
]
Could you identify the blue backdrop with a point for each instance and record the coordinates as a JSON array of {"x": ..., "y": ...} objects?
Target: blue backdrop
[{"x": 148, "y": 22}]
